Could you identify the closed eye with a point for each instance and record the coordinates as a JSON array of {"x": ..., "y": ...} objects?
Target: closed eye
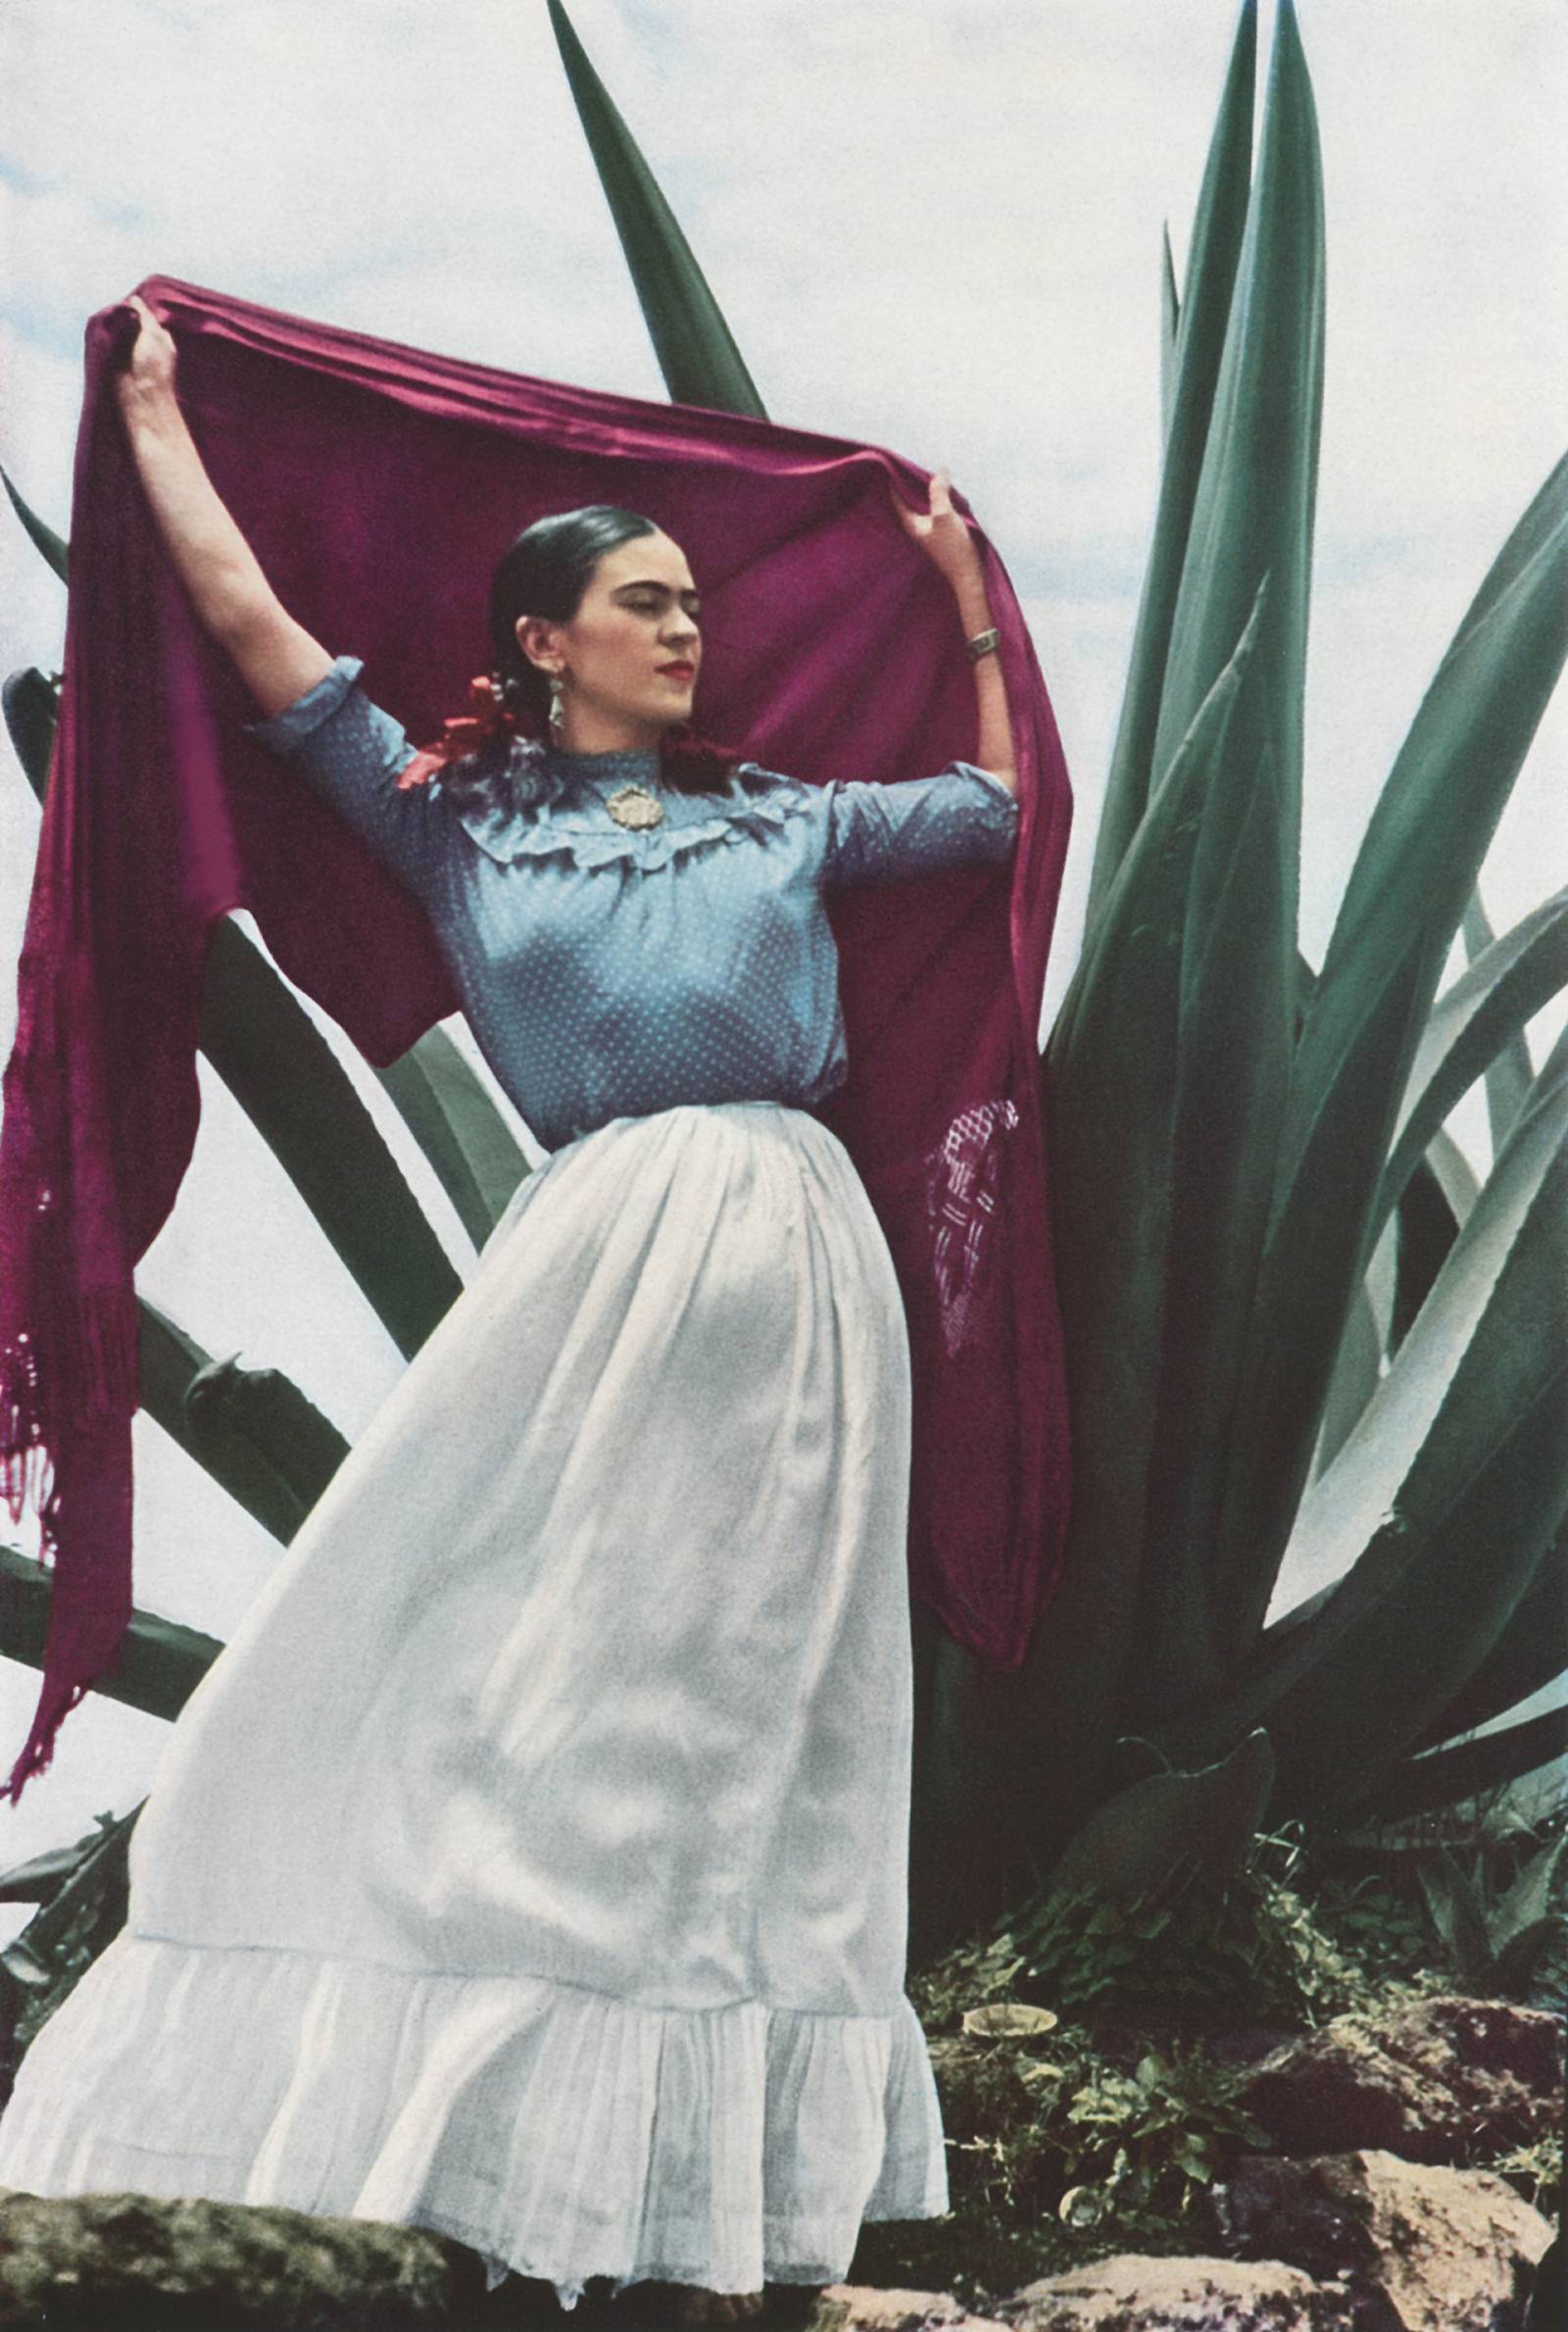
[{"x": 654, "y": 604}]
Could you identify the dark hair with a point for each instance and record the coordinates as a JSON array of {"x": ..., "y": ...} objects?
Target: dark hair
[{"x": 546, "y": 573}]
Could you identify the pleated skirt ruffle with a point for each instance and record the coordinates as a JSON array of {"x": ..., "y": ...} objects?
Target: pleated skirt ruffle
[{"x": 531, "y": 1864}]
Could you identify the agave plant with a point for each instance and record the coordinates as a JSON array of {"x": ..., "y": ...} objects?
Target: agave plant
[
  {"x": 1232, "y": 1136},
  {"x": 1299, "y": 1332}
]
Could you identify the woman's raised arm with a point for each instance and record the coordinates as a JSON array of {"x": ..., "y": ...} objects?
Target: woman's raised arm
[
  {"x": 943, "y": 533},
  {"x": 277, "y": 658}
]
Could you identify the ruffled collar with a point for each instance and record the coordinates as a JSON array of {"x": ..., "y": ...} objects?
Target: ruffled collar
[{"x": 489, "y": 797}]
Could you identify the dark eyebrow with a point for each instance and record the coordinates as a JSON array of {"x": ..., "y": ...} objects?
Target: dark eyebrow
[{"x": 652, "y": 583}]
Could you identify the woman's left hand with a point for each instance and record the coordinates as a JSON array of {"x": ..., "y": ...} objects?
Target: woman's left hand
[{"x": 941, "y": 532}]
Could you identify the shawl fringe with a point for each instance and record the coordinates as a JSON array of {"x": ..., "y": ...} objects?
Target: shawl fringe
[{"x": 78, "y": 1365}]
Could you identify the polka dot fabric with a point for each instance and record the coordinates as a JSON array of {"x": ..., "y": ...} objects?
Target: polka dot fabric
[{"x": 614, "y": 972}]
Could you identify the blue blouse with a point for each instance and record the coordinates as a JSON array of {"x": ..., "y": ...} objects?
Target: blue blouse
[{"x": 610, "y": 971}]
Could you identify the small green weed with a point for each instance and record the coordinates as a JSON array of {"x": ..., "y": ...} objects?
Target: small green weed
[{"x": 1535, "y": 2169}]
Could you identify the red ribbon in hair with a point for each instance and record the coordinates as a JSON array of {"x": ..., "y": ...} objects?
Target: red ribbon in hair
[{"x": 486, "y": 717}]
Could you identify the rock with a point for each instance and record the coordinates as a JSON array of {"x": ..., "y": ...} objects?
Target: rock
[
  {"x": 1435, "y": 2081},
  {"x": 1443, "y": 2249},
  {"x": 1134, "y": 2294},
  {"x": 116, "y": 2259},
  {"x": 861, "y": 2307}
]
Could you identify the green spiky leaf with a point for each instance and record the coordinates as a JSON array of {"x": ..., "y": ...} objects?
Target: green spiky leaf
[
  {"x": 475, "y": 1155},
  {"x": 1162, "y": 1829},
  {"x": 1531, "y": 1653},
  {"x": 54, "y": 548},
  {"x": 157, "y": 1667},
  {"x": 1509, "y": 1073},
  {"x": 1170, "y": 317},
  {"x": 1474, "y": 1025},
  {"x": 274, "y": 1458},
  {"x": 1111, "y": 1087},
  {"x": 1428, "y": 1528},
  {"x": 695, "y": 347},
  {"x": 1219, "y": 232},
  {"x": 1471, "y": 1768},
  {"x": 1412, "y": 876}
]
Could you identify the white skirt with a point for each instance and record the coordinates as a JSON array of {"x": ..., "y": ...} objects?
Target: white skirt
[{"x": 531, "y": 1864}]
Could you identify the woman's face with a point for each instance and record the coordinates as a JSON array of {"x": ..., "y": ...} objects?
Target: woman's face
[{"x": 629, "y": 659}]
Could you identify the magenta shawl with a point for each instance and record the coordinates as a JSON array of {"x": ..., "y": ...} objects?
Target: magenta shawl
[{"x": 377, "y": 486}]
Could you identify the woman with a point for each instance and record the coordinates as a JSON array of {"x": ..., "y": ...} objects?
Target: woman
[{"x": 571, "y": 1922}]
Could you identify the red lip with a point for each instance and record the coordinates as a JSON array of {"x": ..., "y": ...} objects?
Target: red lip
[{"x": 685, "y": 669}]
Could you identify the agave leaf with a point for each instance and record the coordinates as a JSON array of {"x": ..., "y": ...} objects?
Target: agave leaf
[
  {"x": 1235, "y": 1026},
  {"x": 1527, "y": 1906},
  {"x": 1429, "y": 1526},
  {"x": 1110, "y": 1073},
  {"x": 456, "y": 1123},
  {"x": 296, "y": 1093},
  {"x": 1454, "y": 1910},
  {"x": 272, "y": 1451},
  {"x": 1170, "y": 317},
  {"x": 1454, "y": 1174},
  {"x": 35, "y": 1880},
  {"x": 1251, "y": 514},
  {"x": 696, "y": 351},
  {"x": 1415, "y": 869},
  {"x": 1510, "y": 1074},
  {"x": 168, "y": 1358},
  {"x": 1356, "y": 1371},
  {"x": 273, "y": 1443},
  {"x": 290, "y": 1083},
  {"x": 274, "y": 1455},
  {"x": 49, "y": 1958},
  {"x": 157, "y": 1667},
  {"x": 1252, "y": 520},
  {"x": 1531, "y": 1652},
  {"x": 967, "y": 1855},
  {"x": 1218, "y": 230},
  {"x": 1469, "y": 1770},
  {"x": 1379, "y": 1282},
  {"x": 1477, "y": 1024},
  {"x": 53, "y": 547},
  {"x": 32, "y": 699},
  {"x": 1161, "y": 1830}
]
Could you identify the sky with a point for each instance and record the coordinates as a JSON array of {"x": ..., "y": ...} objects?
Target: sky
[{"x": 935, "y": 226}]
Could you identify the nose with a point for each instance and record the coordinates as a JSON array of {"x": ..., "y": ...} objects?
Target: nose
[{"x": 679, "y": 630}]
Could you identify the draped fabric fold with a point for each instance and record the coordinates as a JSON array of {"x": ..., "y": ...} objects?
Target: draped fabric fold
[{"x": 378, "y": 484}]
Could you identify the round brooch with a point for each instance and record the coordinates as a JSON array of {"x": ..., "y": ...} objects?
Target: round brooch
[{"x": 635, "y": 806}]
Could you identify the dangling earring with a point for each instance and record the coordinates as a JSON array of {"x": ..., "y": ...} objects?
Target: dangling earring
[{"x": 556, "y": 725}]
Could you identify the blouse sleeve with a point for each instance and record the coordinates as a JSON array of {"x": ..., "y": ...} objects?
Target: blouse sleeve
[
  {"x": 351, "y": 751},
  {"x": 887, "y": 834}
]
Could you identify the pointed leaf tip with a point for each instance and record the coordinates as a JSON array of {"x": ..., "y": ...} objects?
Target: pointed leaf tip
[
  {"x": 53, "y": 547},
  {"x": 695, "y": 350}
]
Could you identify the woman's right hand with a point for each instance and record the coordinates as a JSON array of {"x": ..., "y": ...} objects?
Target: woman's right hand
[{"x": 146, "y": 380}]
